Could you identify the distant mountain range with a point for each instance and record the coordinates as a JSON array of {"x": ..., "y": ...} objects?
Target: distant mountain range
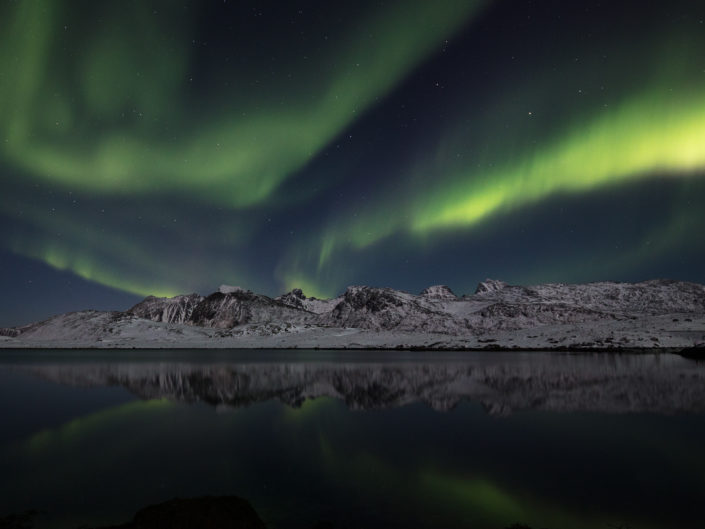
[{"x": 661, "y": 314}]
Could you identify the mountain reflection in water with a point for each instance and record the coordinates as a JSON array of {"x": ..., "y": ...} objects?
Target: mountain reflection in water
[
  {"x": 360, "y": 440},
  {"x": 501, "y": 382}
]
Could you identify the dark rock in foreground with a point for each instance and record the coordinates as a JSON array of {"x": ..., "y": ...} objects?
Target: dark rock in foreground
[
  {"x": 694, "y": 353},
  {"x": 224, "y": 512},
  {"x": 24, "y": 520}
]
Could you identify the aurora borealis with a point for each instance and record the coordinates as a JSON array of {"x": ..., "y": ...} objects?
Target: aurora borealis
[{"x": 164, "y": 148}]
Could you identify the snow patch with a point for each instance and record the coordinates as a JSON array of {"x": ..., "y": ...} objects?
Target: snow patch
[
  {"x": 438, "y": 292},
  {"x": 228, "y": 289}
]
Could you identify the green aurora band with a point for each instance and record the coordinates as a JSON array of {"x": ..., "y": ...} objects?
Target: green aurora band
[
  {"x": 85, "y": 110},
  {"x": 107, "y": 254},
  {"x": 658, "y": 133},
  {"x": 109, "y": 120},
  {"x": 477, "y": 498},
  {"x": 237, "y": 159}
]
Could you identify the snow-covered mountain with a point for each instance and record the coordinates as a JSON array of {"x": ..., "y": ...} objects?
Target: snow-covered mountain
[
  {"x": 225, "y": 309},
  {"x": 178, "y": 309},
  {"x": 658, "y": 313}
]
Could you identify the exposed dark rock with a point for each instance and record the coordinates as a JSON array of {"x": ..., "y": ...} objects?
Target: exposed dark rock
[
  {"x": 224, "y": 512},
  {"x": 178, "y": 309},
  {"x": 295, "y": 298},
  {"x": 12, "y": 332},
  {"x": 490, "y": 285},
  {"x": 387, "y": 309},
  {"x": 24, "y": 520},
  {"x": 694, "y": 353},
  {"x": 225, "y": 309},
  {"x": 441, "y": 292}
]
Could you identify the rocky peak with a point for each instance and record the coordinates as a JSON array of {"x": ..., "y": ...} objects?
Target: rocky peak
[
  {"x": 370, "y": 298},
  {"x": 439, "y": 292},
  {"x": 490, "y": 285},
  {"x": 295, "y": 298},
  {"x": 171, "y": 310}
]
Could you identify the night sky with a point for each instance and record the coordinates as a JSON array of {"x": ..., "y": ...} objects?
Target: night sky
[{"x": 168, "y": 147}]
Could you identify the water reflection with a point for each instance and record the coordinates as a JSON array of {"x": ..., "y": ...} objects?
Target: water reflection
[
  {"x": 502, "y": 383},
  {"x": 580, "y": 441}
]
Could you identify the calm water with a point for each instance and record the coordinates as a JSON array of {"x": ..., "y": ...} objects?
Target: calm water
[{"x": 478, "y": 440}]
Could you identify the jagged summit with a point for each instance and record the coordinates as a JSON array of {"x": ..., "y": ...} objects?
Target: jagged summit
[
  {"x": 438, "y": 292},
  {"x": 296, "y": 298},
  {"x": 490, "y": 285},
  {"x": 178, "y": 309}
]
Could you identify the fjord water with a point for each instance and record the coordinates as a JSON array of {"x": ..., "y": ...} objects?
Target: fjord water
[{"x": 359, "y": 439}]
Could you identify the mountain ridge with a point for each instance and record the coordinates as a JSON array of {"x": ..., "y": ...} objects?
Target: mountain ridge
[{"x": 597, "y": 315}]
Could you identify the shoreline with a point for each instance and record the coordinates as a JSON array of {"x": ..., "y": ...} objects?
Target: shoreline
[{"x": 682, "y": 351}]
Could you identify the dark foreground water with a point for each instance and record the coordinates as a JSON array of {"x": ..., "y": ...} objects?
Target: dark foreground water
[{"x": 480, "y": 440}]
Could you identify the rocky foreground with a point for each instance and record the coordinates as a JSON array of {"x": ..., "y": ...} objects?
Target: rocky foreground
[
  {"x": 657, "y": 314},
  {"x": 206, "y": 512}
]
